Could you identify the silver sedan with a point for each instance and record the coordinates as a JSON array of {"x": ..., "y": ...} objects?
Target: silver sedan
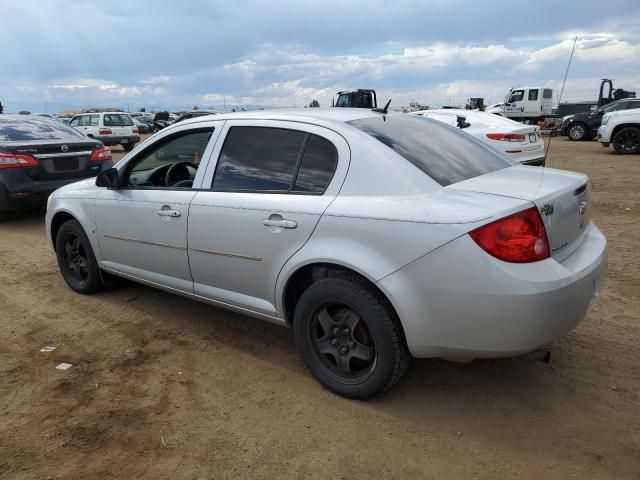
[{"x": 375, "y": 236}]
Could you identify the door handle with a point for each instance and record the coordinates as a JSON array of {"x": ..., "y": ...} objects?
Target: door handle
[
  {"x": 167, "y": 211},
  {"x": 277, "y": 221}
]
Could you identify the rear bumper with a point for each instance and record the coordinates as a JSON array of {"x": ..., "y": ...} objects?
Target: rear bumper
[
  {"x": 460, "y": 302},
  {"x": 110, "y": 140},
  {"x": 19, "y": 192}
]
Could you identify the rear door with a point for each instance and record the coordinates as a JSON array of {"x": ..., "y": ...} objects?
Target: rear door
[
  {"x": 546, "y": 104},
  {"x": 269, "y": 187},
  {"x": 532, "y": 101},
  {"x": 121, "y": 125}
]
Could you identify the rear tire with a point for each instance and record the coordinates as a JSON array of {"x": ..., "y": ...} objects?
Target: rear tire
[
  {"x": 627, "y": 141},
  {"x": 76, "y": 260},
  {"x": 578, "y": 131},
  {"x": 349, "y": 338}
]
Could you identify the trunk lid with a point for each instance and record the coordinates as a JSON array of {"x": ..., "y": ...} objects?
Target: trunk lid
[
  {"x": 57, "y": 159},
  {"x": 563, "y": 199}
]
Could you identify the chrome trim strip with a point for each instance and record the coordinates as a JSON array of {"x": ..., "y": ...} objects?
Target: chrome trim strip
[
  {"x": 67, "y": 154},
  {"x": 144, "y": 242},
  {"x": 222, "y": 254}
]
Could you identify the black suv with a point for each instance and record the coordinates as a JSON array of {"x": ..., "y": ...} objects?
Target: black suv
[
  {"x": 584, "y": 126},
  {"x": 39, "y": 155}
]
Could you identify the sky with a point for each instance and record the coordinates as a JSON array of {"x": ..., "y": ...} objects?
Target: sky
[{"x": 66, "y": 54}]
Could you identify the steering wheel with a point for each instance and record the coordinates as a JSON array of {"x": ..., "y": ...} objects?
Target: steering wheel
[{"x": 180, "y": 170}]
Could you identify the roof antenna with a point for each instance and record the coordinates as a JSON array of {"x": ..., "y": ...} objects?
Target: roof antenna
[
  {"x": 546, "y": 153},
  {"x": 383, "y": 110}
]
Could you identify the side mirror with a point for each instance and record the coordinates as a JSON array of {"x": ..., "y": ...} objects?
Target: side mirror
[{"x": 108, "y": 178}]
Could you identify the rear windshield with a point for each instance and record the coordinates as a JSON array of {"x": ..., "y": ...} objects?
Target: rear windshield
[
  {"x": 444, "y": 153},
  {"x": 24, "y": 129},
  {"x": 117, "y": 120}
]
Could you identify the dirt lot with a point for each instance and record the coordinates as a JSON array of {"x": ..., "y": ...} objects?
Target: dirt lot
[{"x": 166, "y": 388}]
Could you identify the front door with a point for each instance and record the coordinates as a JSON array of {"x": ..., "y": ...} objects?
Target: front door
[
  {"x": 142, "y": 227},
  {"x": 272, "y": 182},
  {"x": 514, "y": 107}
]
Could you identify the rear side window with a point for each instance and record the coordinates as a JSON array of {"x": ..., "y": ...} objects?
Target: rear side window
[
  {"x": 444, "y": 153},
  {"x": 533, "y": 95},
  {"x": 317, "y": 166},
  {"x": 258, "y": 159},
  {"x": 117, "y": 120},
  {"x": 37, "y": 128},
  {"x": 547, "y": 93}
]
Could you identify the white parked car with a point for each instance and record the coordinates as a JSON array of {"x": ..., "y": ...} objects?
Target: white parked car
[
  {"x": 376, "y": 237},
  {"x": 523, "y": 143},
  {"x": 111, "y": 128},
  {"x": 622, "y": 130},
  {"x": 496, "y": 108}
]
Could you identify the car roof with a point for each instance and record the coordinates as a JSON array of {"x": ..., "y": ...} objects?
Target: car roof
[{"x": 304, "y": 115}]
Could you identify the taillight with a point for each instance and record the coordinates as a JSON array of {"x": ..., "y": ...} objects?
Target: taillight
[
  {"x": 101, "y": 154},
  {"x": 518, "y": 238},
  {"x": 105, "y": 131},
  {"x": 506, "y": 137},
  {"x": 11, "y": 160},
  {"x": 134, "y": 129}
]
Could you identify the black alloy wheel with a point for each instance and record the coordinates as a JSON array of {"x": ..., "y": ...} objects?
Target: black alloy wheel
[
  {"x": 349, "y": 336},
  {"x": 627, "y": 141},
  {"x": 344, "y": 342},
  {"x": 76, "y": 260}
]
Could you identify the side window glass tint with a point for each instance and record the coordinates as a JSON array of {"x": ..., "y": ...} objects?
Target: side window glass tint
[
  {"x": 547, "y": 93},
  {"x": 258, "y": 159},
  {"x": 533, "y": 95},
  {"x": 74, "y": 122},
  {"x": 317, "y": 166},
  {"x": 95, "y": 120}
]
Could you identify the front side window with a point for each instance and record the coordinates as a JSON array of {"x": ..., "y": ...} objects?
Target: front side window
[
  {"x": 85, "y": 121},
  {"x": 117, "y": 120},
  {"x": 445, "y": 154},
  {"x": 516, "y": 96},
  {"x": 75, "y": 121},
  {"x": 533, "y": 95},
  {"x": 174, "y": 163}
]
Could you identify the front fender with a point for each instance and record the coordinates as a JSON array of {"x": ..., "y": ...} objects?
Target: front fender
[{"x": 81, "y": 209}]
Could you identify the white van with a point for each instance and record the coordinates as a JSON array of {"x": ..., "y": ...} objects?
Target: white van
[{"x": 528, "y": 103}]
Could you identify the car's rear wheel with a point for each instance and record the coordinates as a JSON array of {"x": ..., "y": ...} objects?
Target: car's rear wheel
[
  {"x": 627, "y": 140},
  {"x": 349, "y": 338},
  {"x": 578, "y": 131},
  {"x": 128, "y": 146},
  {"x": 76, "y": 260}
]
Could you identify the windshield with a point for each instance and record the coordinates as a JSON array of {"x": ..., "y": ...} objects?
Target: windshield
[
  {"x": 444, "y": 153},
  {"x": 27, "y": 129}
]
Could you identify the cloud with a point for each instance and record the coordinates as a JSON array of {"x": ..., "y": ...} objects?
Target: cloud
[{"x": 284, "y": 53}]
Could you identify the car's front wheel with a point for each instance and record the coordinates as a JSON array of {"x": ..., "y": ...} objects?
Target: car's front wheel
[
  {"x": 627, "y": 140},
  {"x": 76, "y": 260},
  {"x": 578, "y": 131},
  {"x": 349, "y": 338}
]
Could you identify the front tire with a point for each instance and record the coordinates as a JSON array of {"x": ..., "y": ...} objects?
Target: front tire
[
  {"x": 348, "y": 337},
  {"x": 76, "y": 260},
  {"x": 578, "y": 131},
  {"x": 627, "y": 141}
]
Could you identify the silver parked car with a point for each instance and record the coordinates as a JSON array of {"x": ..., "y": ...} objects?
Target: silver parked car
[{"x": 375, "y": 236}]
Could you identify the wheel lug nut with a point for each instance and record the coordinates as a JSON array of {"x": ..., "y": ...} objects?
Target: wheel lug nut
[
  {"x": 334, "y": 341},
  {"x": 343, "y": 350},
  {"x": 335, "y": 330},
  {"x": 346, "y": 331}
]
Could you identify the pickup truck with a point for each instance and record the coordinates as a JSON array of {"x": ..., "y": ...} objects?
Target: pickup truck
[{"x": 622, "y": 130}]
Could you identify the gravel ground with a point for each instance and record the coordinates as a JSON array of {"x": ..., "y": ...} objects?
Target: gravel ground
[{"x": 165, "y": 388}]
